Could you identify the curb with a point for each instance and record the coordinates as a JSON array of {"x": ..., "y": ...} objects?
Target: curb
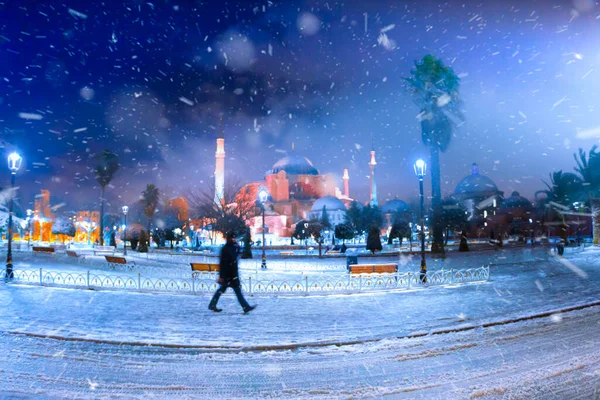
[{"x": 297, "y": 346}]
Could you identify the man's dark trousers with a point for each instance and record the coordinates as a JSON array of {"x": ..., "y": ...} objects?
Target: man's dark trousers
[{"x": 233, "y": 283}]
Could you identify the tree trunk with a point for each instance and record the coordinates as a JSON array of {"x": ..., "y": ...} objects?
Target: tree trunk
[
  {"x": 437, "y": 237},
  {"x": 595, "y": 203},
  {"x": 102, "y": 218}
]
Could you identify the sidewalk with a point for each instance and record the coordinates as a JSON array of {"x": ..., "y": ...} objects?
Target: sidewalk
[{"x": 184, "y": 320}]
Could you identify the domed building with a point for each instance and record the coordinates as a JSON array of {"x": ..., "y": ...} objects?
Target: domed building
[
  {"x": 298, "y": 191},
  {"x": 478, "y": 194},
  {"x": 335, "y": 208}
]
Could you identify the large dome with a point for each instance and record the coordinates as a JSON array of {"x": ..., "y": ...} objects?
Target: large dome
[
  {"x": 393, "y": 206},
  {"x": 331, "y": 203},
  {"x": 295, "y": 164},
  {"x": 475, "y": 185}
]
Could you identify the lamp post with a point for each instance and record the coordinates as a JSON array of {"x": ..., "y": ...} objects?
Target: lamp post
[
  {"x": 263, "y": 195},
  {"x": 14, "y": 163},
  {"x": 125, "y": 211},
  {"x": 420, "y": 168},
  {"x": 30, "y": 221},
  {"x": 192, "y": 235}
]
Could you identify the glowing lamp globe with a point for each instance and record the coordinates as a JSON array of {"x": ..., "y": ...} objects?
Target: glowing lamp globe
[
  {"x": 420, "y": 168},
  {"x": 14, "y": 162}
]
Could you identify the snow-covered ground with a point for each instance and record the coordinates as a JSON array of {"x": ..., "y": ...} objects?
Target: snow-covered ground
[{"x": 86, "y": 344}]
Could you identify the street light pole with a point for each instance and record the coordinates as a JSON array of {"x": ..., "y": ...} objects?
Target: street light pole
[
  {"x": 29, "y": 220},
  {"x": 125, "y": 210},
  {"x": 420, "y": 167},
  {"x": 14, "y": 162},
  {"x": 263, "y": 195}
]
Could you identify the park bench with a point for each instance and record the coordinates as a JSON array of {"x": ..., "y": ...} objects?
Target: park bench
[
  {"x": 205, "y": 267},
  {"x": 104, "y": 249},
  {"x": 43, "y": 250},
  {"x": 334, "y": 252},
  {"x": 72, "y": 254},
  {"x": 374, "y": 269},
  {"x": 117, "y": 260},
  {"x": 286, "y": 253}
]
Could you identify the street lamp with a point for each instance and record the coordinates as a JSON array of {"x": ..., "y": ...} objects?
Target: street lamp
[
  {"x": 125, "y": 211},
  {"x": 14, "y": 163},
  {"x": 420, "y": 168},
  {"x": 29, "y": 220},
  {"x": 263, "y": 196}
]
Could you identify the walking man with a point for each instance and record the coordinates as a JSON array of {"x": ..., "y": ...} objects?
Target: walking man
[{"x": 229, "y": 276}]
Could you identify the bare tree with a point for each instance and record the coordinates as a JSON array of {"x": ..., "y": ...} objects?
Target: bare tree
[{"x": 228, "y": 214}]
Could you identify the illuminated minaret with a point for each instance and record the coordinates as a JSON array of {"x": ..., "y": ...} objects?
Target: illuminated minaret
[
  {"x": 346, "y": 178},
  {"x": 220, "y": 166},
  {"x": 373, "y": 196}
]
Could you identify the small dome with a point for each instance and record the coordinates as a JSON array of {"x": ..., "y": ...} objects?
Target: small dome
[
  {"x": 393, "y": 206},
  {"x": 475, "y": 185},
  {"x": 516, "y": 201},
  {"x": 294, "y": 164},
  {"x": 331, "y": 203}
]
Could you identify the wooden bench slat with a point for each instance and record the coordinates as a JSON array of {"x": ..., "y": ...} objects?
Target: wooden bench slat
[
  {"x": 373, "y": 268},
  {"x": 209, "y": 267},
  {"x": 37, "y": 249},
  {"x": 115, "y": 260}
]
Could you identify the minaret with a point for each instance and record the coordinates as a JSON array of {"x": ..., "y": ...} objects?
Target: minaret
[
  {"x": 346, "y": 178},
  {"x": 373, "y": 195},
  {"x": 220, "y": 166}
]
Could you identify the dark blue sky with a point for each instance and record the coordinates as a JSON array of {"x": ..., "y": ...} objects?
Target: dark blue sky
[{"x": 149, "y": 79}]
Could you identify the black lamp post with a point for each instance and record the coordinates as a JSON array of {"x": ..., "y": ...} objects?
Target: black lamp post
[
  {"x": 263, "y": 196},
  {"x": 30, "y": 222},
  {"x": 14, "y": 163},
  {"x": 125, "y": 210},
  {"x": 420, "y": 168}
]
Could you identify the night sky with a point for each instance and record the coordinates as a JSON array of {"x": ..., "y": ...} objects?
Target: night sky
[{"x": 149, "y": 79}]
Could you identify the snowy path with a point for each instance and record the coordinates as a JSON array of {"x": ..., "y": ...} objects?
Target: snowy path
[
  {"x": 536, "y": 355},
  {"x": 544, "y": 358}
]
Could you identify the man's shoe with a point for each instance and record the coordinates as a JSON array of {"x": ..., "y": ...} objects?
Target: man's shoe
[
  {"x": 215, "y": 309},
  {"x": 249, "y": 308}
]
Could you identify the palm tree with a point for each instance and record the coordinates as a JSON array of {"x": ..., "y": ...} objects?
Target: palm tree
[
  {"x": 150, "y": 199},
  {"x": 564, "y": 189},
  {"x": 589, "y": 169},
  {"x": 434, "y": 87},
  {"x": 105, "y": 172}
]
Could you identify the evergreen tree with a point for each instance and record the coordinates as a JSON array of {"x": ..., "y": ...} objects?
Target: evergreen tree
[
  {"x": 400, "y": 229},
  {"x": 369, "y": 217},
  {"x": 374, "y": 240},
  {"x": 247, "y": 251},
  {"x": 143, "y": 242},
  {"x": 353, "y": 216},
  {"x": 344, "y": 232}
]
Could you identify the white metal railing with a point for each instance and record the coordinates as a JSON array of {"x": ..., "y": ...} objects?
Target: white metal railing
[{"x": 198, "y": 283}]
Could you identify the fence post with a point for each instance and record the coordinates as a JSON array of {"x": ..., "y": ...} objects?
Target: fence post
[
  {"x": 409, "y": 279},
  {"x": 451, "y": 275},
  {"x": 250, "y": 284},
  {"x": 139, "y": 281},
  {"x": 306, "y": 288},
  {"x": 360, "y": 283},
  {"x": 41, "y": 279},
  {"x": 88, "y": 279},
  {"x": 193, "y": 283}
]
